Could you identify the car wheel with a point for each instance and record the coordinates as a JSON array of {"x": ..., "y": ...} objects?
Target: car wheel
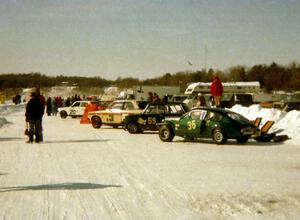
[
  {"x": 73, "y": 116},
  {"x": 219, "y": 136},
  {"x": 243, "y": 139},
  {"x": 115, "y": 126},
  {"x": 133, "y": 128},
  {"x": 96, "y": 122},
  {"x": 166, "y": 133},
  {"x": 63, "y": 114}
]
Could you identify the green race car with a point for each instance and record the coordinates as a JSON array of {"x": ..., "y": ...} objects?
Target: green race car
[{"x": 216, "y": 123}]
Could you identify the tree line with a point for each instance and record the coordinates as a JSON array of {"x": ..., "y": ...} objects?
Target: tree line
[{"x": 271, "y": 77}]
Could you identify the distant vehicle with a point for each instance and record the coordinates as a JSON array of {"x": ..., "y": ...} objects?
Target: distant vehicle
[
  {"x": 141, "y": 92},
  {"x": 287, "y": 105},
  {"x": 178, "y": 98},
  {"x": 154, "y": 113},
  {"x": 230, "y": 99},
  {"x": 114, "y": 114},
  {"x": 75, "y": 110},
  {"x": 218, "y": 124}
]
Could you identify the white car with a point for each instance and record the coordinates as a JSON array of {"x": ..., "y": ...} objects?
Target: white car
[
  {"x": 75, "y": 110},
  {"x": 115, "y": 113}
]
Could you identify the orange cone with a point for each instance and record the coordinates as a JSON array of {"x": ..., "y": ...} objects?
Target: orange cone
[{"x": 88, "y": 108}]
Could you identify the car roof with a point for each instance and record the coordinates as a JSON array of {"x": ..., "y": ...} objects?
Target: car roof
[
  {"x": 217, "y": 110},
  {"x": 165, "y": 103}
]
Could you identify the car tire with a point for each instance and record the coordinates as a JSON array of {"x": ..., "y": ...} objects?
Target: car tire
[
  {"x": 63, "y": 114},
  {"x": 166, "y": 133},
  {"x": 219, "y": 136},
  {"x": 243, "y": 139},
  {"x": 133, "y": 128},
  {"x": 96, "y": 122}
]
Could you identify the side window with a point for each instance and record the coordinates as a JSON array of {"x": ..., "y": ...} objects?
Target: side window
[
  {"x": 198, "y": 115},
  {"x": 160, "y": 109},
  {"x": 149, "y": 109},
  {"x": 83, "y": 104},
  {"x": 116, "y": 105},
  {"x": 214, "y": 116},
  {"x": 128, "y": 106}
]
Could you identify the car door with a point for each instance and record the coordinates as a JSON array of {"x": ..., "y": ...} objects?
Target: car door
[
  {"x": 74, "y": 108},
  {"x": 193, "y": 124},
  {"x": 154, "y": 115},
  {"x": 113, "y": 113}
]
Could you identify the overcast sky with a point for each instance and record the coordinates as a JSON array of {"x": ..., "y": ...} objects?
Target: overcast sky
[{"x": 145, "y": 38}]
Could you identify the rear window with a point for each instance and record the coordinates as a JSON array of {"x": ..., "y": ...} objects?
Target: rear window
[
  {"x": 176, "y": 109},
  {"x": 237, "y": 117}
]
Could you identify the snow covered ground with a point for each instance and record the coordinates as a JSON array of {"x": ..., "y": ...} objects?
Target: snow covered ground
[{"x": 85, "y": 173}]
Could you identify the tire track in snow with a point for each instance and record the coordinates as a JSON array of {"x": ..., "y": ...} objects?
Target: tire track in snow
[
  {"x": 152, "y": 188},
  {"x": 247, "y": 204}
]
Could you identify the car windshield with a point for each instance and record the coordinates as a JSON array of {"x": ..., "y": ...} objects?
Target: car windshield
[{"x": 76, "y": 104}]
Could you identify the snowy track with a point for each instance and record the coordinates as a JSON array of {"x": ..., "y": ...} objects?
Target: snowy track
[{"x": 85, "y": 173}]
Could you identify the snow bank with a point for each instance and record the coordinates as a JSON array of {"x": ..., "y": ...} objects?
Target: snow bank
[
  {"x": 8, "y": 108},
  {"x": 288, "y": 121}
]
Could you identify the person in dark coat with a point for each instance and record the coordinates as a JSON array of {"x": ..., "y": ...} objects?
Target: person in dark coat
[
  {"x": 216, "y": 90},
  {"x": 49, "y": 106},
  {"x": 34, "y": 114}
]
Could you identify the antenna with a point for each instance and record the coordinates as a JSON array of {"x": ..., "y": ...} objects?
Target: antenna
[{"x": 205, "y": 56}]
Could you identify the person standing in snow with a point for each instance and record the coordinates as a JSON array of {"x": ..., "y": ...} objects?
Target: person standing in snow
[
  {"x": 48, "y": 106},
  {"x": 33, "y": 116},
  {"x": 216, "y": 90},
  {"x": 54, "y": 107}
]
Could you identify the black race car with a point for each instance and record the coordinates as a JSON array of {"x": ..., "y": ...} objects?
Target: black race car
[{"x": 154, "y": 113}]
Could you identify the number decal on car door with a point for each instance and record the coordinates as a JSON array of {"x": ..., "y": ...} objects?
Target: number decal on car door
[
  {"x": 151, "y": 120},
  {"x": 191, "y": 125},
  {"x": 73, "y": 111}
]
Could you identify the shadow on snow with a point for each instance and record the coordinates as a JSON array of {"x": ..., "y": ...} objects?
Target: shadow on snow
[
  {"x": 10, "y": 138},
  {"x": 59, "y": 186},
  {"x": 77, "y": 141},
  {"x": 230, "y": 142}
]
